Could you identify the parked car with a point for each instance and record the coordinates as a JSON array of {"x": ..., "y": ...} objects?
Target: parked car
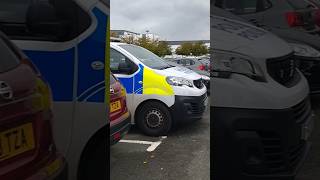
[
  {"x": 286, "y": 14},
  {"x": 205, "y": 75},
  {"x": 307, "y": 46},
  {"x": 27, "y": 148},
  {"x": 206, "y": 62},
  {"x": 120, "y": 119},
  {"x": 315, "y": 5},
  {"x": 159, "y": 95},
  {"x": 193, "y": 63},
  {"x": 261, "y": 111}
]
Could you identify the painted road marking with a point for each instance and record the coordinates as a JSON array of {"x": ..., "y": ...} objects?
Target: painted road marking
[{"x": 153, "y": 145}]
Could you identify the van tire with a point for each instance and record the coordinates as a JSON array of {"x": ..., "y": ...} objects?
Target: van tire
[
  {"x": 154, "y": 119},
  {"x": 94, "y": 163}
]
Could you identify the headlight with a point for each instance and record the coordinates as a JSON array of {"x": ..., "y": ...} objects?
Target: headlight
[
  {"x": 303, "y": 50},
  {"x": 179, "y": 81},
  {"x": 225, "y": 63},
  {"x": 206, "y": 78}
]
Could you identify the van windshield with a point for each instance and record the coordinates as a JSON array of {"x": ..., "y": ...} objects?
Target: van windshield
[{"x": 146, "y": 57}]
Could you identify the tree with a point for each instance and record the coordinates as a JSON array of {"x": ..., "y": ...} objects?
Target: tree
[
  {"x": 184, "y": 49},
  {"x": 128, "y": 39},
  {"x": 159, "y": 48},
  {"x": 196, "y": 49},
  {"x": 113, "y": 34}
]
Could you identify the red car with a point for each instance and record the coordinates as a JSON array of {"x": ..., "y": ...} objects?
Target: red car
[
  {"x": 27, "y": 149},
  {"x": 120, "y": 119},
  {"x": 315, "y": 4}
]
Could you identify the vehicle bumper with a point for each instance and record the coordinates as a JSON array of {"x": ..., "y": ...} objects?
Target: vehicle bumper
[
  {"x": 56, "y": 169},
  {"x": 189, "y": 108},
  {"x": 260, "y": 144},
  {"x": 118, "y": 130}
]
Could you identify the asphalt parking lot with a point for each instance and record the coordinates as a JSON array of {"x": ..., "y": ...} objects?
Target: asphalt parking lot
[
  {"x": 311, "y": 168},
  {"x": 183, "y": 154}
]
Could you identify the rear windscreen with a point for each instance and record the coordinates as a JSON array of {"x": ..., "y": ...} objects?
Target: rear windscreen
[
  {"x": 298, "y": 4},
  {"x": 8, "y": 59}
]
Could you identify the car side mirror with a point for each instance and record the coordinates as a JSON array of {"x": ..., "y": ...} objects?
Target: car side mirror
[
  {"x": 124, "y": 68},
  {"x": 42, "y": 20}
]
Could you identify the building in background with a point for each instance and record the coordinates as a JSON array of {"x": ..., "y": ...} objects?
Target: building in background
[{"x": 120, "y": 34}]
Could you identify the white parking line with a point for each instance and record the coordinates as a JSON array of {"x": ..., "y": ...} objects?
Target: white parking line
[{"x": 152, "y": 147}]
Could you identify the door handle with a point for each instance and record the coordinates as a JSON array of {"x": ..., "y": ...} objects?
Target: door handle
[
  {"x": 140, "y": 82},
  {"x": 97, "y": 65}
]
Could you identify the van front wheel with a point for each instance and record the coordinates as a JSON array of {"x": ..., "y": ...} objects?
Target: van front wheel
[{"x": 154, "y": 119}]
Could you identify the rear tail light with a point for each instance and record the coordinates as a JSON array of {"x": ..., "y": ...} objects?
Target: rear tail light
[
  {"x": 317, "y": 16},
  {"x": 293, "y": 19},
  {"x": 202, "y": 67}
]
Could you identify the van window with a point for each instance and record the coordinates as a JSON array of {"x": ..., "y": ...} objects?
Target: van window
[
  {"x": 298, "y": 4},
  {"x": 244, "y": 6},
  {"x": 146, "y": 57},
  {"x": 106, "y": 2},
  {"x": 8, "y": 58},
  {"x": 45, "y": 20},
  {"x": 119, "y": 62}
]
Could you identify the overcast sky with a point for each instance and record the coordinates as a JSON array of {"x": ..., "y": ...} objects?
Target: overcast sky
[{"x": 170, "y": 19}]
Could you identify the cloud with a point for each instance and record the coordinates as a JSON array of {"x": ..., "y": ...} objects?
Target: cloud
[{"x": 170, "y": 19}]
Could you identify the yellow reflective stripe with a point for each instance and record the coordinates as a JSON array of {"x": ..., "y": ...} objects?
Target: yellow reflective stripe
[{"x": 154, "y": 83}]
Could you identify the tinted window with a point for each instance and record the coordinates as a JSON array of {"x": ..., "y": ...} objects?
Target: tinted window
[
  {"x": 146, "y": 57},
  {"x": 13, "y": 10},
  {"x": 298, "y": 4},
  {"x": 118, "y": 60},
  {"x": 46, "y": 20},
  {"x": 8, "y": 58},
  {"x": 106, "y": 2},
  {"x": 244, "y": 6}
]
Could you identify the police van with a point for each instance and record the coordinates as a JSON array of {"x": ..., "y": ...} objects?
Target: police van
[
  {"x": 159, "y": 95},
  {"x": 261, "y": 111},
  {"x": 67, "y": 41}
]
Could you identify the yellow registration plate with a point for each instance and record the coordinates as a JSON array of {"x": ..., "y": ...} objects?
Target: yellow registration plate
[
  {"x": 115, "y": 106},
  {"x": 16, "y": 141}
]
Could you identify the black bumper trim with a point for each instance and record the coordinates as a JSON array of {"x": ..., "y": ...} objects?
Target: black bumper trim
[
  {"x": 188, "y": 108},
  {"x": 121, "y": 128},
  {"x": 240, "y": 132}
]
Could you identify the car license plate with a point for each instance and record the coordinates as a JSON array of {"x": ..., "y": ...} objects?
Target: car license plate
[
  {"x": 307, "y": 128},
  {"x": 115, "y": 106},
  {"x": 16, "y": 141}
]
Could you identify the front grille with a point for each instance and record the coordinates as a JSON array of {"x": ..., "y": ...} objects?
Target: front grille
[
  {"x": 198, "y": 83},
  {"x": 273, "y": 152},
  {"x": 198, "y": 108},
  {"x": 295, "y": 154},
  {"x": 278, "y": 158},
  {"x": 283, "y": 70},
  {"x": 302, "y": 111}
]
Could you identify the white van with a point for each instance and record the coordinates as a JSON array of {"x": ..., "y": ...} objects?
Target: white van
[
  {"x": 67, "y": 41},
  {"x": 159, "y": 95},
  {"x": 260, "y": 108}
]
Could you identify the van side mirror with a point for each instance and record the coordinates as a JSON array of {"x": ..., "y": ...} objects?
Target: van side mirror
[
  {"x": 42, "y": 20},
  {"x": 124, "y": 68}
]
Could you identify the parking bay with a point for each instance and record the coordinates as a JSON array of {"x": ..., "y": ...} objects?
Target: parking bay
[{"x": 183, "y": 154}]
